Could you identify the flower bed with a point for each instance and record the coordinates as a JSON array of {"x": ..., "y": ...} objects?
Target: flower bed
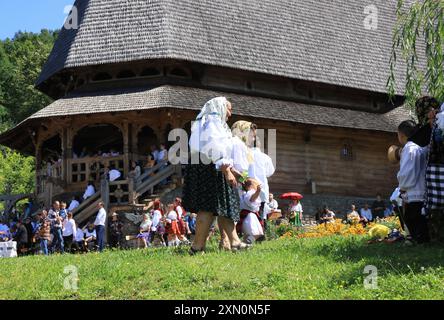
[{"x": 338, "y": 227}]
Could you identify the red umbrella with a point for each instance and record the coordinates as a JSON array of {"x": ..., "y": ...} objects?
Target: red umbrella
[{"x": 291, "y": 196}]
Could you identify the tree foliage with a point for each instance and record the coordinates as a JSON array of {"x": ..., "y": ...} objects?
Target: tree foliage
[
  {"x": 419, "y": 38},
  {"x": 21, "y": 60},
  {"x": 16, "y": 173}
]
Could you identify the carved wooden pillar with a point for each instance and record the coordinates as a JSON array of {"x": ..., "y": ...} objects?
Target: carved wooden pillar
[
  {"x": 69, "y": 154},
  {"x": 134, "y": 130},
  {"x": 64, "y": 139},
  {"x": 38, "y": 168},
  {"x": 125, "y": 133},
  {"x": 104, "y": 195}
]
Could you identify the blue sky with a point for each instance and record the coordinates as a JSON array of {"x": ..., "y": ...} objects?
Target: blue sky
[{"x": 31, "y": 15}]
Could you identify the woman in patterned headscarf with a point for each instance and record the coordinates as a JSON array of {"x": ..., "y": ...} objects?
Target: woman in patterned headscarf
[{"x": 210, "y": 182}]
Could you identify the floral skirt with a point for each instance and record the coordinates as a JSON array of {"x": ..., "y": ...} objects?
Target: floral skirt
[{"x": 205, "y": 189}]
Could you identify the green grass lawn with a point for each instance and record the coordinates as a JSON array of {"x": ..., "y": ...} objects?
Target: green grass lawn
[{"x": 327, "y": 268}]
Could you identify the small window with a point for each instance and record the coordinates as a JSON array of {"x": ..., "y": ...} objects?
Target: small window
[
  {"x": 150, "y": 72},
  {"x": 346, "y": 152},
  {"x": 102, "y": 76},
  {"x": 376, "y": 106},
  {"x": 249, "y": 85},
  {"x": 125, "y": 74},
  {"x": 179, "y": 72}
]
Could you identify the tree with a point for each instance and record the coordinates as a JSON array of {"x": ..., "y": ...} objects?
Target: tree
[
  {"x": 16, "y": 173},
  {"x": 419, "y": 38},
  {"x": 21, "y": 60}
]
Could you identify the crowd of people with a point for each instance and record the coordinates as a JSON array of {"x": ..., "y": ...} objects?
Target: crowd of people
[
  {"x": 55, "y": 230},
  {"x": 234, "y": 171}
]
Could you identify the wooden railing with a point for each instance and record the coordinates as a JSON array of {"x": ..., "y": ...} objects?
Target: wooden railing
[
  {"x": 149, "y": 181},
  {"x": 123, "y": 191},
  {"x": 82, "y": 170},
  {"x": 89, "y": 207}
]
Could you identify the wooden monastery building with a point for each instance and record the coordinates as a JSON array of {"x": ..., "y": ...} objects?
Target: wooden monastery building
[{"x": 134, "y": 70}]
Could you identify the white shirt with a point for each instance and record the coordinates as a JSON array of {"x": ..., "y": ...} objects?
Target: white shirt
[
  {"x": 101, "y": 217},
  {"x": 239, "y": 155},
  {"x": 396, "y": 196},
  {"x": 74, "y": 204},
  {"x": 179, "y": 211},
  {"x": 273, "y": 204},
  {"x": 162, "y": 155},
  {"x": 69, "y": 227},
  {"x": 156, "y": 219},
  {"x": 367, "y": 214},
  {"x": 172, "y": 215},
  {"x": 296, "y": 208},
  {"x": 213, "y": 139},
  {"x": 261, "y": 169},
  {"x": 114, "y": 175},
  {"x": 89, "y": 192},
  {"x": 145, "y": 226},
  {"x": 411, "y": 175},
  {"x": 90, "y": 234},
  {"x": 247, "y": 204},
  {"x": 79, "y": 235}
]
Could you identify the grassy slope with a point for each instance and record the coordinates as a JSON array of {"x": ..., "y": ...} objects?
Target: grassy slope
[{"x": 328, "y": 268}]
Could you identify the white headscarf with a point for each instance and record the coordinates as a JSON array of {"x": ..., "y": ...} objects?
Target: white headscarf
[
  {"x": 214, "y": 107},
  {"x": 210, "y": 133}
]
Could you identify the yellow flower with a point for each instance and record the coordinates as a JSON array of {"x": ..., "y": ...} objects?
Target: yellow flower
[{"x": 379, "y": 231}]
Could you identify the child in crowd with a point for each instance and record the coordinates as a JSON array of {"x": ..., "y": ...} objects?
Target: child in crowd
[
  {"x": 63, "y": 212},
  {"x": 249, "y": 223},
  {"x": 411, "y": 178},
  {"x": 172, "y": 227},
  {"x": 295, "y": 210},
  {"x": 144, "y": 231},
  {"x": 157, "y": 227},
  {"x": 44, "y": 233},
  {"x": 90, "y": 237},
  {"x": 79, "y": 243},
  {"x": 183, "y": 230}
]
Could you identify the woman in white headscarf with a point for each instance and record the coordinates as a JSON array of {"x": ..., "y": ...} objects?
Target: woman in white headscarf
[
  {"x": 210, "y": 182},
  {"x": 260, "y": 165}
]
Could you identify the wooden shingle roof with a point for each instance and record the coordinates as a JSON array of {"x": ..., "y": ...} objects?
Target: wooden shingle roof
[
  {"x": 178, "y": 97},
  {"x": 317, "y": 40}
]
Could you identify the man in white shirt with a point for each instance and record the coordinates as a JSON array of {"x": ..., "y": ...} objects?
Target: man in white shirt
[
  {"x": 412, "y": 184},
  {"x": 99, "y": 224},
  {"x": 73, "y": 205},
  {"x": 89, "y": 191},
  {"x": 272, "y": 203},
  {"x": 69, "y": 231}
]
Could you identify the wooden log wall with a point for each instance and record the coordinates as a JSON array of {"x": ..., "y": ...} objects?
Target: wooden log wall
[{"x": 308, "y": 154}]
